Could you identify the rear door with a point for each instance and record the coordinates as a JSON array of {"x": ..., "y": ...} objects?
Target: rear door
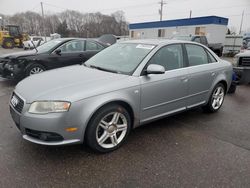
[
  {"x": 201, "y": 74},
  {"x": 163, "y": 94}
]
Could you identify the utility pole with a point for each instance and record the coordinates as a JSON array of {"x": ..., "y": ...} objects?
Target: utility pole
[
  {"x": 190, "y": 14},
  {"x": 241, "y": 23},
  {"x": 161, "y": 9},
  {"x": 43, "y": 24}
]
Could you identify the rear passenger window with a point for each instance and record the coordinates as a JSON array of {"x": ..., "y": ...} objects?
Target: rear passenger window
[
  {"x": 211, "y": 57},
  {"x": 196, "y": 55},
  {"x": 93, "y": 46},
  {"x": 170, "y": 57}
]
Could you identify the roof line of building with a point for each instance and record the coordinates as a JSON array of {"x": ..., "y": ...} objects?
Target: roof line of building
[{"x": 181, "y": 22}]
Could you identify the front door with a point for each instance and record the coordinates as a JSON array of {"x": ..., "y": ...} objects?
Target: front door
[
  {"x": 163, "y": 94},
  {"x": 71, "y": 54}
]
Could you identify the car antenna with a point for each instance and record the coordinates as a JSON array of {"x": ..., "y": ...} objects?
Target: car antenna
[{"x": 34, "y": 45}]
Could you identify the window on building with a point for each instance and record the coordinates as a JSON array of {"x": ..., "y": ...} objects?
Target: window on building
[
  {"x": 161, "y": 32},
  {"x": 200, "y": 30},
  {"x": 132, "y": 34}
]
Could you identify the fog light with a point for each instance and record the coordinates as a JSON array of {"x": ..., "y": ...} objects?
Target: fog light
[
  {"x": 44, "y": 136},
  {"x": 71, "y": 129}
]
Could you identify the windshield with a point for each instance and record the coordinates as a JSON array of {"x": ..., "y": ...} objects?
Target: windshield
[
  {"x": 182, "y": 38},
  {"x": 120, "y": 58},
  {"x": 48, "y": 45}
]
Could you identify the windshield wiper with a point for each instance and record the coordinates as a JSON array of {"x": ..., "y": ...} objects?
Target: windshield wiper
[
  {"x": 34, "y": 45},
  {"x": 103, "y": 69}
]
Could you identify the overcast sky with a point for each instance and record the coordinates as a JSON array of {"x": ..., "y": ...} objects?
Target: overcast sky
[{"x": 140, "y": 10}]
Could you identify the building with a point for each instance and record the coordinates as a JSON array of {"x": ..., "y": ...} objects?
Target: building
[{"x": 214, "y": 27}]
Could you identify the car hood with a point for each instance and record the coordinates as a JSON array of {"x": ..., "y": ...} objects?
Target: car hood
[
  {"x": 244, "y": 54},
  {"x": 72, "y": 84},
  {"x": 19, "y": 54}
]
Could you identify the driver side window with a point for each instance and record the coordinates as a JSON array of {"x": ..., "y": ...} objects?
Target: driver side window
[
  {"x": 72, "y": 46},
  {"x": 170, "y": 57}
]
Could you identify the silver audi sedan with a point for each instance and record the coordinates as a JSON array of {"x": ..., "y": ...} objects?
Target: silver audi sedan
[{"x": 122, "y": 87}]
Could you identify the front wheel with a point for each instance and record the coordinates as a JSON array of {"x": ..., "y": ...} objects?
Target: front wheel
[
  {"x": 34, "y": 69},
  {"x": 108, "y": 129},
  {"x": 216, "y": 99}
]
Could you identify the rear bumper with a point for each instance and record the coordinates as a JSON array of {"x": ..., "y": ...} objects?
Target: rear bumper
[{"x": 243, "y": 74}]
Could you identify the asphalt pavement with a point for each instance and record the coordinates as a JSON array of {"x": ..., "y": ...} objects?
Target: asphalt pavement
[{"x": 191, "y": 149}]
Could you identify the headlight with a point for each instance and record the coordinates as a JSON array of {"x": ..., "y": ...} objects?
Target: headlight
[
  {"x": 235, "y": 60},
  {"x": 44, "y": 107},
  {"x": 21, "y": 60},
  {"x": 9, "y": 67}
]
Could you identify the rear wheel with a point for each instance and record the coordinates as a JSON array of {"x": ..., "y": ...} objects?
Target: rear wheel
[
  {"x": 8, "y": 43},
  {"x": 108, "y": 129},
  {"x": 216, "y": 99},
  {"x": 35, "y": 69}
]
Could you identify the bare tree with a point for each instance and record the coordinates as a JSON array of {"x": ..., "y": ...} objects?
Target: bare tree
[{"x": 77, "y": 23}]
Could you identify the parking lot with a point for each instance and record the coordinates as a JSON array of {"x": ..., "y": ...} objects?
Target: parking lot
[{"x": 191, "y": 149}]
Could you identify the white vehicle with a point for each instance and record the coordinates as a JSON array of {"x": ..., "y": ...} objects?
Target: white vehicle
[{"x": 37, "y": 40}]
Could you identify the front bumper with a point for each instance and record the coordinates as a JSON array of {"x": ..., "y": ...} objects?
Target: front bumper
[
  {"x": 12, "y": 72},
  {"x": 47, "y": 129},
  {"x": 1, "y": 68},
  {"x": 243, "y": 74}
]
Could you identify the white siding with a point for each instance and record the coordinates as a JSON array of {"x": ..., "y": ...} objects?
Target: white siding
[{"x": 214, "y": 33}]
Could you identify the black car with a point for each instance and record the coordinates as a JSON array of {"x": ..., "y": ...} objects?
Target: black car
[{"x": 53, "y": 54}]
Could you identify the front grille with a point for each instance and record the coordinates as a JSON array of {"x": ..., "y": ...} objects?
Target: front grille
[
  {"x": 4, "y": 61},
  {"x": 45, "y": 136},
  {"x": 16, "y": 102},
  {"x": 245, "y": 61}
]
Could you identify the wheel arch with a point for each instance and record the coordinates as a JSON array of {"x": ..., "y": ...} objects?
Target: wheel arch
[
  {"x": 224, "y": 84},
  {"x": 123, "y": 103},
  {"x": 29, "y": 63}
]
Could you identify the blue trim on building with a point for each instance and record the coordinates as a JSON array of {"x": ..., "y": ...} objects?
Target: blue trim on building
[{"x": 181, "y": 22}]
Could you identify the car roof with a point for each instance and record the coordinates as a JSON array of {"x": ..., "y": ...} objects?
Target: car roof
[{"x": 157, "y": 41}]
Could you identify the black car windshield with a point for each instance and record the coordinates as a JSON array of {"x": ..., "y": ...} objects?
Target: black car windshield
[
  {"x": 48, "y": 45},
  {"x": 121, "y": 57}
]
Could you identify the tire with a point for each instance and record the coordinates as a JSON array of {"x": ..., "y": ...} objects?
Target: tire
[
  {"x": 102, "y": 134},
  {"x": 8, "y": 43},
  {"x": 219, "y": 95},
  {"x": 34, "y": 69},
  {"x": 232, "y": 88}
]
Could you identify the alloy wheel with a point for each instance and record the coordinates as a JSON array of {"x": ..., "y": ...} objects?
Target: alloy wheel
[
  {"x": 36, "y": 70},
  {"x": 218, "y": 97},
  {"x": 111, "y": 130}
]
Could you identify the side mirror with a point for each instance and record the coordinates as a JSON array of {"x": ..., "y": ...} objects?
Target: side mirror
[
  {"x": 58, "y": 51},
  {"x": 155, "y": 69}
]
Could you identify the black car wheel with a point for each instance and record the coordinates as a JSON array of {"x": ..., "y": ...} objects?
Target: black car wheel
[
  {"x": 108, "y": 129},
  {"x": 34, "y": 69},
  {"x": 8, "y": 43},
  {"x": 216, "y": 99}
]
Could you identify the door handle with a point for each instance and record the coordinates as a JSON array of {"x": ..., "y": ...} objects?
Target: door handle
[{"x": 184, "y": 79}]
